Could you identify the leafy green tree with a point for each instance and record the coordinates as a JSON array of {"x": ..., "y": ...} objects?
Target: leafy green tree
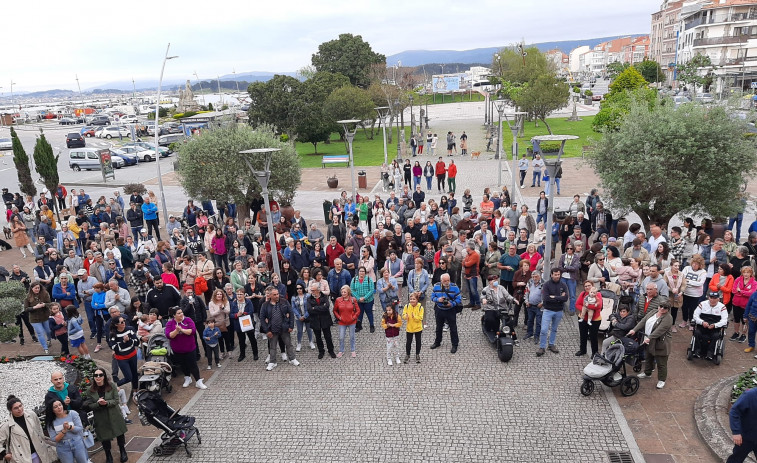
[
  {"x": 666, "y": 161},
  {"x": 21, "y": 160},
  {"x": 349, "y": 55},
  {"x": 273, "y": 102},
  {"x": 46, "y": 164},
  {"x": 615, "y": 68},
  {"x": 630, "y": 79},
  {"x": 509, "y": 65},
  {"x": 616, "y": 106},
  {"x": 651, "y": 71},
  {"x": 311, "y": 123},
  {"x": 210, "y": 106},
  {"x": 543, "y": 95},
  {"x": 349, "y": 103},
  {"x": 698, "y": 71},
  {"x": 210, "y": 166}
]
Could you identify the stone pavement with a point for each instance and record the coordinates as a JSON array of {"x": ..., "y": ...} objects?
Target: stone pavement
[{"x": 463, "y": 407}]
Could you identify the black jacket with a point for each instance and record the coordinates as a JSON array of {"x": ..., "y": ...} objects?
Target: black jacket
[
  {"x": 320, "y": 317},
  {"x": 135, "y": 217},
  {"x": 163, "y": 299}
]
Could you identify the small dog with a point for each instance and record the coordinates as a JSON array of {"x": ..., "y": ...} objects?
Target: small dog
[
  {"x": 475, "y": 154},
  {"x": 7, "y": 233}
]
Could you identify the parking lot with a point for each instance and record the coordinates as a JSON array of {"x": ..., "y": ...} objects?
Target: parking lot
[{"x": 56, "y": 135}]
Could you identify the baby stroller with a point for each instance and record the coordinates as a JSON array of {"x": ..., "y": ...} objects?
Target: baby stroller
[
  {"x": 609, "y": 305},
  {"x": 610, "y": 369},
  {"x": 177, "y": 429},
  {"x": 156, "y": 371}
]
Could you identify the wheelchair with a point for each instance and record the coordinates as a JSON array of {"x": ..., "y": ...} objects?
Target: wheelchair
[{"x": 719, "y": 341}]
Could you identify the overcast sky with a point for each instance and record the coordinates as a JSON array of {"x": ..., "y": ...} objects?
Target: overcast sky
[{"x": 47, "y": 43}]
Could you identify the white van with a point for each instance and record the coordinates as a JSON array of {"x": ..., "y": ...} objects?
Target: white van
[{"x": 89, "y": 159}]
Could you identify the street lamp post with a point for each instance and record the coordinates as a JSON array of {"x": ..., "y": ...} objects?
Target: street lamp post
[
  {"x": 13, "y": 103},
  {"x": 383, "y": 112},
  {"x": 551, "y": 165},
  {"x": 412, "y": 117},
  {"x": 349, "y": 134},
  {"x": 399, "y": 146},
  {"x": 263, "y": 176},
  {"x": 157, "y": 132},
  {"x": 518, "y": 119}
]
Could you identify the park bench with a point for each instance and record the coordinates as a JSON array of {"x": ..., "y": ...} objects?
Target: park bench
[{"x": 335, "y": 160}]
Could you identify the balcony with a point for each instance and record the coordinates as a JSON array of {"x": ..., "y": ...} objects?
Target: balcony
[
  {"x": 719, "y": 19},
  {"x": 722, "y": 40},
  {"x": 751, "y": 60}
]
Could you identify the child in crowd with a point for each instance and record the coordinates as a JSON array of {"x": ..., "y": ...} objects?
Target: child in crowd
[
  {"x": 391, "y": 323},
  {"x": 428, "y": 256},
  {"x": 211, "y": 335},
  {"x": 413, "y": 314},
  {"x": 76, "y": 332},
  {"x": 589, "y": 301},
  {"x": 59, "y": 327}
]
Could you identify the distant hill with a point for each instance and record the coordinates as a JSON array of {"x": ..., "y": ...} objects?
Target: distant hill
[
  {"x": 128, "y": 86},
  {"x": 55, "y": 93},
  {"x": 484, "y": 55}
]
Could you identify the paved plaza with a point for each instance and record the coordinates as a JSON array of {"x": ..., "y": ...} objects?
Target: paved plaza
[{"x": 463, "y": 407}]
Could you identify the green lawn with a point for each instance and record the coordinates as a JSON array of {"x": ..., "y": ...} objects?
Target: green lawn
[{"x": 371, "y": 152}]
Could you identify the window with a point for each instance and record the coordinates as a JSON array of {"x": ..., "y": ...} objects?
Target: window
[
  {"x": 92, "y": 156},
  {"x": 76, "y": 155}
]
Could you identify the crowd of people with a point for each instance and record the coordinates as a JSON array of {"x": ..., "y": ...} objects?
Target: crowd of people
[{"x": 406, "y": 253}]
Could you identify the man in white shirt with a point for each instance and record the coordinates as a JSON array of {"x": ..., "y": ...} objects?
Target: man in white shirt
[
  {"x": 710, "y": 316},
  {"x": 656, "y": 237}
]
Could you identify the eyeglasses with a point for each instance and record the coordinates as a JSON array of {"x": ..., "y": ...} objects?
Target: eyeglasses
[{"x": 99, "y": 375}]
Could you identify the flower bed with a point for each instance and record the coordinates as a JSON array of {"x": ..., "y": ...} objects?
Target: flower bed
[{"x": 746, "y": 381}]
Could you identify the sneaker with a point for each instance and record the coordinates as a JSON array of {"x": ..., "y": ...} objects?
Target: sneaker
[
  {"x": 397, "y": 360},
  {"x": 417, "y": 359},
  {"x": 539, "y": 352},
  {"x": 339, "y": 355},
  {"x": 749, "y": 349},
  {"x": 617, "y": 377},
  {"x": 218, "y": 365},
  {"x": 407, "y": 358},
  {"x": 200, "y": 385},
  {"x": 742, "y": 338},
  {"x": 91, "y": 336},
  {"x": 389, "y": 361},
  {"x": 295, "y": 362},
  {"x": 47, "y": 351},
  {"x": 691, "y": 328},
  {"x": 312, "y": 346},
  {"x": 209, "y": 368},
  {"x": 97, "y": 348},
  {"x": 299, "y": 347},
  {"x": 271, "y": 366},
  {"x": 682, "y": 325},
  {"x": 284, "y": 357},
  {"x": 708, "y": 357},
  {"x": 734, "y": 337},
  {"x": 642, "y": 375},
  {"x": 674, "y": 329},
  {"x": 522, "y": 187},
  {"x": 553, "y": 349},
  {"x": 660, "y": 384},
  {"x": 187, "y": 381},
  {"x": 354, "y": 354},
  {"x": 445, "y": 329},
  {"x": 268, "y": 359}
]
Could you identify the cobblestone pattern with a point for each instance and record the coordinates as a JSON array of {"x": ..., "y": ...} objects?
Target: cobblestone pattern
[{"x": 463, "y": 407}]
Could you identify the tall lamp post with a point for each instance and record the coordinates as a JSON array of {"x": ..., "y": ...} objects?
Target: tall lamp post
[
  {"x": 350, "y": 127},
  {"x": 383, "y": 112},
  {"x": 157, "y": 132},
  {"x": 399, "y": 146},
  {"x": 412, "y": 117},
  {"x": 517, "y": 124},
  {"x": 263, "y": 176},
  {"x": 551, "y": 165}
]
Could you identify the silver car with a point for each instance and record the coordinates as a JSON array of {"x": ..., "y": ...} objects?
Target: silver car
[
  {"x": 6, "y": 144},
  {"x": 89, "y": 159}
]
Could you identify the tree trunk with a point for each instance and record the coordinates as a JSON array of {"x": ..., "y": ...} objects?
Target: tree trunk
[
  {"x": 315, "y": 147},
  {"x": 389, "y": 130},
  {"x": 243, "y": 211},
  {"x": 549, "y": 129}
]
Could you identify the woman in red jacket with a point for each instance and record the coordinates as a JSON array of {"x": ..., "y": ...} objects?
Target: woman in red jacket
[
  {"x": 586, "y": 331},
  {"x": 346, "y": 312}
]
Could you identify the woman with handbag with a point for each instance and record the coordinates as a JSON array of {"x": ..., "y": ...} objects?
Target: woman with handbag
[
  {"x": 181, "y": 331},
  {"x": 22, "y": 436},
  {"x": 66, "y": 429},
  {"x": 218, "y": 310},
  {"x": 239, "y": 308},
  {"x": 346, "y": 312},
  {"x": 102, "y": 399}
]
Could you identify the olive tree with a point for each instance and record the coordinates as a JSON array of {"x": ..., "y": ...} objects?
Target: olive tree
[
  {"x": 210, "y": 166},
  {"x": 663, "y": 161}
]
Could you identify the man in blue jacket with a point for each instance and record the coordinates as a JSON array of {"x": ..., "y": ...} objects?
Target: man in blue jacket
[
  {"x": 150, "y": 213},
  {"x": 743, "y": 419},
  {"x": 446, "y": 297}
]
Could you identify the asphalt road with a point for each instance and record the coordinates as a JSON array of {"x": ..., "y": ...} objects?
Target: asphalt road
[{"x": 56, "y": 135}]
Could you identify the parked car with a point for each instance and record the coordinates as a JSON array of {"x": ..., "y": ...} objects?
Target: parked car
[
  {"x": 165, "y": 152},
  {"x": 130, "y": 159},
  {"x": 75, "y": 140},
  {"x": 89, "y": 159},
  {"x": 704, "y": 98},
  {"x": 166, "y": 140},
  {"x": 6, "y": 144},
  {"x": 113, "y": 131},
  {"x": 87, "y": 131},
  {"x": 99, "y": 119},
  {"x": 128, "y": 119},
  {"x": 173, "y": 127},
  {"x": 66, "y": 121},
  {"x": 145, "y": 152},
  {"x": 678, "y": 100}
]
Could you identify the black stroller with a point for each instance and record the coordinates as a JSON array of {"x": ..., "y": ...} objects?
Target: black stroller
[
  {"x": 177, "y": 429},
  {"x": 156, "y": 371}
]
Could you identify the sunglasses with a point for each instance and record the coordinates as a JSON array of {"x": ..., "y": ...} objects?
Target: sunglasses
[{"x": 99, "y": 375}]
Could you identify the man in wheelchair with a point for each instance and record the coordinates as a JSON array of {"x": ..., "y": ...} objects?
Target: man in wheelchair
[
  {"x": 710, "y": 317},
  {"x": 494, "y": 299}
]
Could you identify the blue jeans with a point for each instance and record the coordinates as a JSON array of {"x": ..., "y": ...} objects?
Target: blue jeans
[
  {"x": 533, "y": 325},
  {"x": 232, "y": 209},
  {"x": 128, "y": 369},
  {"x": 475, "y": 299},
  {"x": 549, "y": 317},
  {"x": 301, "y": 327},
  {"x": 367, "y": 309},
  {"x": 44, "y": 336},
  {"x": 541, "y": 218},
  {"x": 90, "y": 316},
  {"x": 342, "y": 332},
  {"x": 557, "y": 182},
  {"x": 572, "y": 291},
  {"x": 738, "y": 221},
  {"x": 416, "y": 181},
  {"x": 429, "y": 180},
  {"x": 536, "y": 180},
  {"x": 72, "y": 450},
  {"x": 749, "y": 337}
]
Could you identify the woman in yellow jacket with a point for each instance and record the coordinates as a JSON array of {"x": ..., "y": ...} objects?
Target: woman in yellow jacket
[{"x": 413, "y": 315}]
